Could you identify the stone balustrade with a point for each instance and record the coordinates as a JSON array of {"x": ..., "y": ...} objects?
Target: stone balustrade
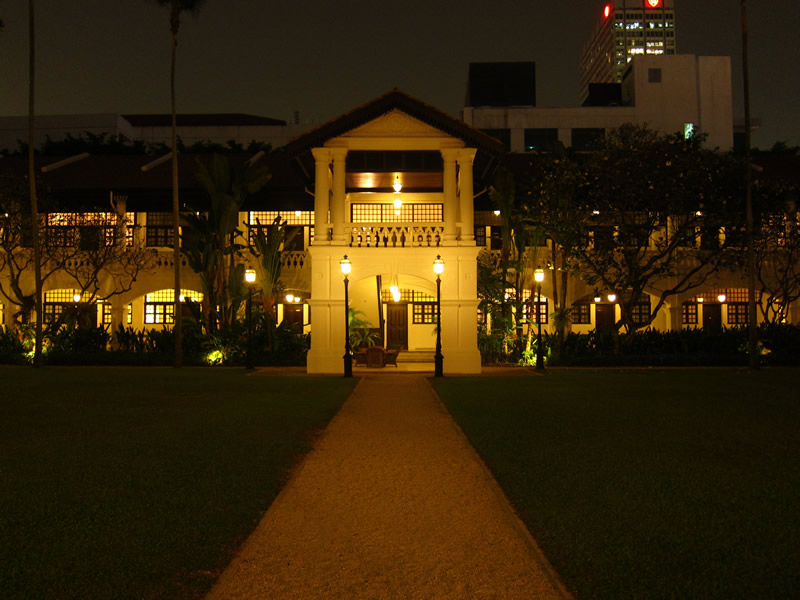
[{"x": 395, "y": 235}]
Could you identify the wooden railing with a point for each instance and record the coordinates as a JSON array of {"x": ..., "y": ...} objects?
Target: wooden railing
[{"x": 396, "y": 235}]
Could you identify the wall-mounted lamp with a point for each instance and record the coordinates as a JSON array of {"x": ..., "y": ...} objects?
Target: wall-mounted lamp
[
  {"x": 612, "y": 297},
  {"x": 721, "y": 298},
  {"x": 397, "y": 185}
]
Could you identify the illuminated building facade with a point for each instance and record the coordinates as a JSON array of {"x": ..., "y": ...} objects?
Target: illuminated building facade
[{"x": 628, "y": 28}]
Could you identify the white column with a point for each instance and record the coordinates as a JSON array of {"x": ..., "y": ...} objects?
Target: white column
[
  {"x": 118, "y": 312},
  {"x": 338, "y": 216},
  {"x": 322, "y": 160},
  {"x": 465, "y": 158},
  {"x": 450, "y": 200}
]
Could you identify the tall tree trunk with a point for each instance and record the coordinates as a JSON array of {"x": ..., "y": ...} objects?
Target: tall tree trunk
[
  {"x": 752, "y": 341},
  {"x": 37, "y": 255},
  {"x": 178, "y": 328}
]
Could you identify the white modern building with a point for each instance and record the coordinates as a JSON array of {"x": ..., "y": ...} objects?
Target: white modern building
[{"x": 678, "y": 93}]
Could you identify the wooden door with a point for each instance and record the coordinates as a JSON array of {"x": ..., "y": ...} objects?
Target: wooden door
[
  {"x": 604, "y": 317},
  {"x": 397, "y": 326},
  {"x": 712, "y": 316},
  {"x": 293, "y": 316}
]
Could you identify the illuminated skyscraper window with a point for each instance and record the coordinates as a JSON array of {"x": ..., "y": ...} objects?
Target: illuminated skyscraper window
[{"x": 627, "y": 28}]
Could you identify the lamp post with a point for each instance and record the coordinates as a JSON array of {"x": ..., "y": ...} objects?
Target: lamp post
[
  {"x": 438, "y": 359},
  {"x": 250, "y": 278},
  {"x": 348, "y": 351},
  {"x": 538, "y": 275}
]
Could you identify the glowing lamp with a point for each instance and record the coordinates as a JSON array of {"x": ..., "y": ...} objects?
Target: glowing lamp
[
  {"x": 607, "y": 11},
  {"x": 721, "y": 298},
  {"x": 250, "y": 276},
  {"x": 612, "y": 297},
  {"x": 397, "y": 202},
  {"x": 538, "y": 275},
  {"x": 345, "y": 265},
  {"x": 700, "y": 299},
  {"x": 76, "y": 297},
  {"x": 297, "y": 213},
  {"x": 181, "y": 298},
  {"x": 290, "y": 297},
  {"x": 597, "y": 298},
  {"x": 438, "y": 265},
  {"x": 397, "y": 185},
  {"x": 497, "y": 213},
  {"x": 653, "y": 3}
]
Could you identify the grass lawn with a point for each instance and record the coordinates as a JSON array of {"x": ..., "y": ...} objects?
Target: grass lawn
[
  {"x": 142, "y": 482},
  {"x": 648, "y": 483}
]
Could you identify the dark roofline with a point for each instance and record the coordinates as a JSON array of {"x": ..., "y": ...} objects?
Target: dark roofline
[
  {"x": 382, "y": 105},
  {"x": 201, "y": 120}
]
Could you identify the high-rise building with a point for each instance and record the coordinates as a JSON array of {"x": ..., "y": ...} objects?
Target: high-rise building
[{"x": 627, "y": 28}]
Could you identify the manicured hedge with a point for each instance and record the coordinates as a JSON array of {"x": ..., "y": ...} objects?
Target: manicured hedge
[{"x": 778, "y": 345}]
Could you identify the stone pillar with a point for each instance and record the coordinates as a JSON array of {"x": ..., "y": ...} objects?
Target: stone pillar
[
  {"x": 118, "y": 311},
  {"x": 465, "y": 158},
  {"x": 322, "y": 160},
  {"x": 449, "y": 187},
  {"x": 338, "y": 213},
  {"x": 675, "y": 317}
]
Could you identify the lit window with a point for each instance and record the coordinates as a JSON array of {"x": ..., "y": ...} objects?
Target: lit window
[
  {"x": 737, "y": 313},
  {"x": 581, "y": 314},
  {"x": 689, "y": 313},
  {"x": 159, "y": 307},
  {"x": 424, "y": 313}
]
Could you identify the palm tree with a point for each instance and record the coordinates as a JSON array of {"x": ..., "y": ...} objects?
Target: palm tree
[
  {"x": 752, "y": 327},
  {"x": 209, "y": 239},
  {"x": 37, "y": 266},
  {"x": 176, "y": 7}
]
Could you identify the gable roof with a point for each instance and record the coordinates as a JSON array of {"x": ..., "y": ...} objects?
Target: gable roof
[
  {"x": 201, "y": 120},
  {"x": 382, "y": 105},
  {"x": 489, "y": 149}
]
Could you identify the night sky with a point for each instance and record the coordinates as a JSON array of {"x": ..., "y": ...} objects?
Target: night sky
[{"x": 324, "y": 58}]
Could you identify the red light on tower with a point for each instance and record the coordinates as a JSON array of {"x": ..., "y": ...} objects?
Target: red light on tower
[
  {"x": 654, "y": 3},
  {"x": 607, "y": 10}
]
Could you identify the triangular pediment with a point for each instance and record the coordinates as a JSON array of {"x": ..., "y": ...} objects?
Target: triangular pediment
[{"x": 395, "y": 124}]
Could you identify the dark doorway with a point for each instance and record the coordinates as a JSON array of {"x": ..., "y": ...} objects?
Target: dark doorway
[
  {"x": 712, "y": 317},
  {"x": 397, "y": 326},
  {"x": 604, "y": 317},
  {"x": 293, "y": 316}
]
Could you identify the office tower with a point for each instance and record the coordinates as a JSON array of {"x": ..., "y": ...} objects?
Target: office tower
[{"x": 627, "y": 28}]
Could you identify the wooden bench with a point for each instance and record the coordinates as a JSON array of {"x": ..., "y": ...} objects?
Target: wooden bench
[
  {"x": 377, "y": 357},
  {"x": 390, "y": 357}
]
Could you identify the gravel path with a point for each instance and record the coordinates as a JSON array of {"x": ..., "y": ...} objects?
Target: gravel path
[{"x": 392, "y": 503}]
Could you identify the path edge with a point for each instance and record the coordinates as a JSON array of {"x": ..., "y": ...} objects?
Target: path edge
[
  {"x": 505, "y": 503},
  {"x": 234, "y": 566}
]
